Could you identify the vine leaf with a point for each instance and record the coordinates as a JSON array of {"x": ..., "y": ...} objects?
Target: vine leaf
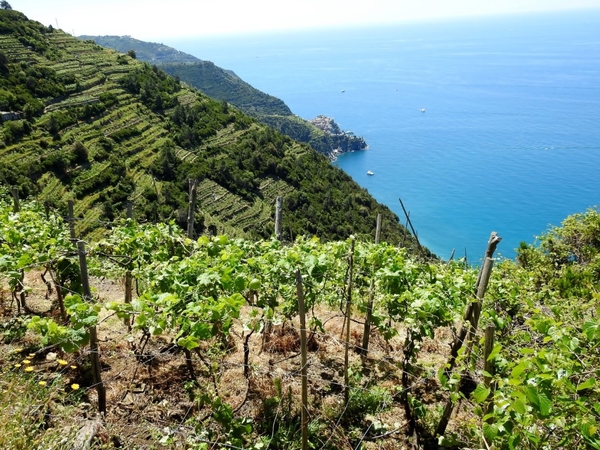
[
  {"x": 480, "y": 394},
  {"x": 590, "y": 382}
]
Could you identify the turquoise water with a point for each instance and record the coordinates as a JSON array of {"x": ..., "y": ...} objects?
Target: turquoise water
[{"x": 510, "y": 137}]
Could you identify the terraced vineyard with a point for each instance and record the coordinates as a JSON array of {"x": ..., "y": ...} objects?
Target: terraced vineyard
[{"x": 101, "y": 128}]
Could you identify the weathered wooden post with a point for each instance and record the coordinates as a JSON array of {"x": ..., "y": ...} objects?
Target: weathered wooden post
[
  {"x": 15, "y": 195},
  {"x": 367, "y": 329},
  {"x": 71, "y": 220},
  {"x": 278, "y": 218},
  {"x": 347, "y": 323},
  {"x": 469, "y": 326},
  {"x": 489, "y": 367},
  {"x": 128, "y": 277},
  {"x": 94, "y": 354},
  {"x": 407, "y": 214},
  {"x": 192, "y": 207},
  {"x": 190, "y": 234},
  {"x": 303, "y": 360}
]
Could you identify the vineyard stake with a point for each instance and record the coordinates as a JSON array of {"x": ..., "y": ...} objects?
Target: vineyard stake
[
  {"x": 94, "y": 354},
  {"x": 493, "y": 242},
  {"x": 347, "y": 324},
  {"x": 71, "y": 219},
  {"x": 128, "y": 278},
  {"x": 367, "y": 330},
  {"x": 190, "y": 234},
  {"x": 474, "y": 307},
  {"x": 192, "y": 207},
  {"x": 278, "y": 218},
  {"x": 16, "y": 204},
  {"x": 469, "y": 327},
  {"x": 489, "y": 367},
  {"x": 303, "y": 361},
  {"x": 411, "y": 227}
]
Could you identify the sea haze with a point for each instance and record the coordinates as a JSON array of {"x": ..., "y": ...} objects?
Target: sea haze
[{"x": 509, "y": 139}]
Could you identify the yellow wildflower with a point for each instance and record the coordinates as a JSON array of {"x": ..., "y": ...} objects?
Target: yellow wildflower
[
  {"x": 17, "y": 365},
  {"x": 26, "y": 361},
  {"x": 29, "y": 369},
  {"x": 62, "y": 362},
  {"x": 74, "y": 386},
  {"x": 73, "y": 367},
  {"x": 42, "y": 383}
]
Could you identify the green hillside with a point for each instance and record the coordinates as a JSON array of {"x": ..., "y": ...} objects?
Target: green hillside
[
  {"x": 225, "y": 85},
  {"x": 85, "y": 123}
]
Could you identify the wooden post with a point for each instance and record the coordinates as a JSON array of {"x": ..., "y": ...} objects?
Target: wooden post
[
  {"x": 347, "y": 322},
  {"x": 190, "y": 234},
  {"x": 278, "y": 218},
  {"x": 470, "y": 326},
  {"x": 94, "y": 354},
  {"x": 493, "y": 242},
  {"x": 367, "y": 329},
  {"x": 474, "y": 308},
  {"x": 192, "y": 207},
  {"x": 303, "y": 360},
  {"x": 451, "y": 256},
  {"x": 488, "y": 366},
  {"x": 128, "y": 278},
  {"x": 47, "y": 210},
  {"x": 486, "y": 272},
  {"x": 71, "y": 220},
  {"x": 16, "y": 204},
  {"x": 411, "y": 226}
]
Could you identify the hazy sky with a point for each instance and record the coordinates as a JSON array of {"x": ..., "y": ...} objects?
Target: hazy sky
[{"x": 156, "y": 19}]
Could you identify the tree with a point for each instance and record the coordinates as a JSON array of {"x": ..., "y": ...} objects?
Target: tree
[
  {"x": 131, "y": 54},
  {"x": 5, "y": 5}
]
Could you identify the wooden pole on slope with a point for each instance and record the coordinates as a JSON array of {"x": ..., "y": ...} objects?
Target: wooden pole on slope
[
  {"x": 367, "y": 329},
  {"x": 469, "y": 327},
  {"x": 192, "y": 207},
  {"x": 16, "y": 204},
  {"x": 411, "y": 226},
  {"x": 94, "y": 353},
  {"x": 190, "y": 234},
  {"x": 347, "y": 324},
  {"x": 303, "y": 361},
  {"x": 71, "y": 220},
  {"x": 278, "y": 218},
  {"x": 128, "y": 277},
  {"x": 488, "y": 366}
]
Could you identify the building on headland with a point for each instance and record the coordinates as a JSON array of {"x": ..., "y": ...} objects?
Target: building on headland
[{"x": 10, "y": 115}]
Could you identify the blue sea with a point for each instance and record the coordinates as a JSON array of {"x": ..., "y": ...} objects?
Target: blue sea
[{"x": 479, "y": 125}]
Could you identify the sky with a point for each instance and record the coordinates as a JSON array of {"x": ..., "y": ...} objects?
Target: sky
[{"x": 153, "y": 20}]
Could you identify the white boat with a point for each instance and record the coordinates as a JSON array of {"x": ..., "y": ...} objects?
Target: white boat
[
  {"x": 370, "y": 173},
  {"x": 423, "y": 110}
]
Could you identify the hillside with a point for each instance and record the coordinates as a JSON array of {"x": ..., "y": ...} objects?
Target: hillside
[
  {"x": 230, "y": 343},
  {"x": 88, "y": 124},
  {"x": 225, "y": 85}
]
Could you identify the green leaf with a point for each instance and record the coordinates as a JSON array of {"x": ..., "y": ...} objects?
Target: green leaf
[
  {"x": 590, "y": 382},
  {"x": 188, "y": 342},
  {"x": 545, "y": 405},
  {"x": 519, "y": 369},
  {"x": 490, "y": 431},
  {"x": 495, "y": 351},
  {"x": 532, "y": 395},
  {"x": 519, "y": 406},
  {"x": 481, "y": 393}
]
